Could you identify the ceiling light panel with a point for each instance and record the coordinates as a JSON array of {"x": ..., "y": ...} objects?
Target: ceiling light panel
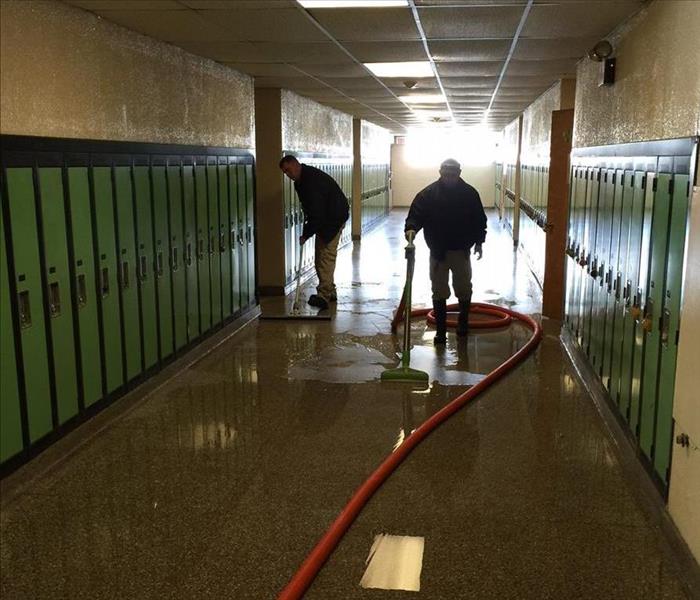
[
  {"x": 594, "y": 18},
  {"x": 401, "y": 69}
]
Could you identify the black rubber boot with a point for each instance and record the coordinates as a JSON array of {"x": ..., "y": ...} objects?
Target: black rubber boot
[
  {"x": 440, "y": 309},
  {"x": 463, "y": 319}
]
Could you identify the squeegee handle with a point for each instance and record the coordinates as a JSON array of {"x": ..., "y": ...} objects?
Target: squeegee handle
[{"x": 410, "y": 262}]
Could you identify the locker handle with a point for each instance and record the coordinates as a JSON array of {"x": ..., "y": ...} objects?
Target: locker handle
[
  {"x": 222, "y": 242},
  {"x": 200, "y": 250},
  {"x": 665, "y": 325},
  {"x": 159, "y": 264},
  {"x": 54, "y": 299},
  {"x": 240, "y": 237},
  {"x": 189, "y": 254},
  {"x": 249, "y": 234},
  {"x": 627, "y": 294},
  {"x": 125, "y": 275},
  {"x": 143, "y": 268},
  {"x": 104, "y": 283},
  {"x": 173, "y": 258},
  {"x": 212, "y": 244},
  {"x": 233, "y": 238},
  {"x": 25, "y": 312},
  {"x": 82, "y": 291}
]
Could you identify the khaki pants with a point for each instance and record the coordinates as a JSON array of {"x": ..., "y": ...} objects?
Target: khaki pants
[
  {"x": 325, "y": 266},
  {"x": 458, "y": 262}
]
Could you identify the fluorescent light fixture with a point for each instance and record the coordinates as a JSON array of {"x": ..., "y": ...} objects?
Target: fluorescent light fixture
[
  {"x": 401, "y": 69},
  {"x": 423, "y": 99},
  {"x": 429, "y": 114},
  {"x": 352, "y": 3}
]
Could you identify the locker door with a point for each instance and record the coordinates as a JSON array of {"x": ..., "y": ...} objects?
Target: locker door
[
  {"x": 30, "y": 299},
  {"x": 58, "y": 292},
  {"x": 581, "y": 193},
  {"x": 145, "y": 265},
  {"x": 11, "y": 441},
  {"x": 653, "y": 311},
  {"x": 288, "y": 231},
  {"x": 107, "y": 277},
  {"x": 191, "y": 252},
  {"x": 619, "y": 274},
  {"x": 235, "y": 239},
  {"x": 161, "y": 267},
  {"x": 225, "y": 240},
  {"x": 242, "y": 229},
  {"x": 178, "y": 255},
  {"x": 128, "y": 271},
  {"x": 214, "y": 241},
  {"x": 638, "y": 345},
  {"x": 670, "y": 325},
  {"x": 632, "y": 307},
  {"x": 204, "y": 272},
  {"x": 590, "y": 222},
  {"x": 573, "y": 181},
  {"x": 86, "y": 292},
  {"x": 250, "y": 234}
]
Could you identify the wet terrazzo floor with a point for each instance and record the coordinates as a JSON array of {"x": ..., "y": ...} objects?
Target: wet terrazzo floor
[{"x": 220, "y": 482}]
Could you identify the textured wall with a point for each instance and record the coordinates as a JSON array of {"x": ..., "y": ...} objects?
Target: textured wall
[
  {"x": 537, "y": 126},
  {"x": 656, "y": 94},
  {"x": 376, "y": 143},
  {"x": 310, "y": 127},
  {"x": 67, "y": 73},
  {"x": 509, "y": 143}
]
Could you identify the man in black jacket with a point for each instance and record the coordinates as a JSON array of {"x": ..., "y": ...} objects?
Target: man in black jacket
[
  {"x": 325, "y": 212},
  {"x": 451, "y": 213}
]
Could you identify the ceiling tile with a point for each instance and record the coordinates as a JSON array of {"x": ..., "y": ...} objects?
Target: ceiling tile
[
  {"x": 268, "y": 52},
  {"x": 386, "y": 51},
  {"x": 578, "y": 19},
  {"x": 469, "y": 50},
  {"x": 470, "y": 22},
  {"x": 524, "y": 82},
  {"x": 265, "y": 69},
  {"x": 538, "y": 49},
  {"x": 465, "y": 82},
  {"x": 456, "y": 69},
  {"x": 226, "y": 4},
  {"x": 368, "y": 25},
  {"x": 99, "y": 5},
  {"x": 336, "y": 70},
  {"x": 560, "y": 68},
  {"x": 280, "y": 25},
  {"x": 290, "y": 83}
]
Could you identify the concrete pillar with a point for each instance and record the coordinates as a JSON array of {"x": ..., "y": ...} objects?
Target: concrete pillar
[
  {"x": 269, "y": 211},
  {"x": 356, "y": 179}
]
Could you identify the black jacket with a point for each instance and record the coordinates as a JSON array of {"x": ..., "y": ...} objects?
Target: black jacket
[
  {"x": 323, "y": 202},
  {"x": 453, "y": 218}
]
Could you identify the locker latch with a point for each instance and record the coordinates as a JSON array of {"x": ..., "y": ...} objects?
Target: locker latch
[
  {"x": 212, "y": 244},
  {"x": 143, "y": 268},
  {"x": 25, "y": 312},
  {"x": 104, "y": 282},
  {"x": 189, "y": 254},
  {"x": 82, "y": 291},
  {"x": 593, "y": 271},
  {"x": 627, "y": 295},
  {"x": 54, "y": 299},
  {"x": 173, "y": 258},
  {"x": 159, "y": 264},
  {"x": 222, "y": 242},
  {"x": 241, "y": 241},
  {"x": 125, "y": 275},
  {"x": 200, "y": 250},
  {"x": 665, "y": 325}
]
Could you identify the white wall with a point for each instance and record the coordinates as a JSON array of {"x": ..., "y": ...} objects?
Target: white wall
[{"x": 407, "y": 180}]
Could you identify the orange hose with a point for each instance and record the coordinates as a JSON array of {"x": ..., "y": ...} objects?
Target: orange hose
[{"x": 317, "y": 557}]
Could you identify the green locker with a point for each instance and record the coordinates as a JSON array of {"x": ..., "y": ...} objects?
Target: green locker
[
  {"x": 225, "y": 239},
  {"x": 589, "y": 230},
  {"x": 84, "y": 269},
  {"x": 670, "y": 324},
  {"x": 58, "y": 292},
  {"x": 161, "y": 266},
  {"x": 191, "y": 252},
  {"x": 579, "y": 250},
  {"x": 145, "y": 265},
  {"x": 235, "y": 238},
  {"x": 214, "y": 241},
  {"x": 250, "y": 233},
  {"x": 638, "y": 346},
  {"x": 204, "y": 269},
  {"x": 632, "y": 306},
  {"x": 653, "y": 311},
  {"x": 108, "y": 277},
  {"x": 128, "y": 285},
  {"x": 242, "y": 229},
  {"x": 624, "y": 274},
  {"x": 177, "y": 255},
  {"x": 11, "y": 441},
  {"x": 22, "y": 211}
]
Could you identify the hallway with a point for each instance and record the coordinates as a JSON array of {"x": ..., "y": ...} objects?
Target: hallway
[{"x": 220, "y": 481}]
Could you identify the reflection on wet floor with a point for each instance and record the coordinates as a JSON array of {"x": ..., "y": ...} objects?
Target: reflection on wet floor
[{"x": 218, "y": 483}]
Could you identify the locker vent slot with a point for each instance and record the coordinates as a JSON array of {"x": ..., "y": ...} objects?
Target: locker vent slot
[
  {"x": 82, "y": 291},
  {"x": 25, "y": 313},
  {"x": 54, "y": 299}
]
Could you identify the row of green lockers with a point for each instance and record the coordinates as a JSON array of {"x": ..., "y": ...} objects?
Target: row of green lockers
[
  {"x": 534, "y": 182},
  {"x": 626, "y": 240},
  {"x": 375, "y": 204},
  {"x": 110, "y": 266}
]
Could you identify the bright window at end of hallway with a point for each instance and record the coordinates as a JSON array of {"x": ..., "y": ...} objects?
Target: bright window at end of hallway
[{"x": 428, "y": 146}]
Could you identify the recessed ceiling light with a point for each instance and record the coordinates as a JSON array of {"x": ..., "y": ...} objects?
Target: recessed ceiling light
[
  {"x": 401, "y": 69},
  {"x": 423, "y": 99},
  {"x": 352, "y": 3}
]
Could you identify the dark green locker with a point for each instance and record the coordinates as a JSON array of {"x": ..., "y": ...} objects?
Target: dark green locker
[
  {"x": 190, "y": 252},
  {"x": 635, "y": 378},
  {"x": 11, "y": 441},
  {"x": 225, "y": 240},
  {"x": 177, "y": 255},
  {"x": 236, "y": 240},
  {"x": 638, "y": 242},
  {"x": 242, "y": 229},
  {"x": 670, "y": 324},
  {"x": 128, "y": 283},
  {"x": 30, "y": 298},
  {"x": 145, "y": 265},
  {"x": 214, "y": 241},
  {"x": 589, "y": 232},
  {"x": 200, "y": 185},
  {"x": 653, "y": 311},
  {"x": 250, "y": 233},
  {"x": 108, "y": 277},
  {"x": 58, "y": 292},
  {"x": 579, "y": 250},
  {"x": 84, "y": 269},
  {"x": 161, "y": 266},
  {"x": 623, "y": 287},
  {"x": 571, "y": 265}
]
